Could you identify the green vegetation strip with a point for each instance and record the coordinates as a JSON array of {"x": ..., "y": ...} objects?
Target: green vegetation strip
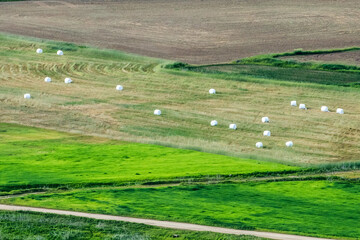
[
  {"x": 33, "y": 157},
  {"x": 28, "y": 225},
  {"x": 315, "y": 208},
  {"x": 281, "y": 74},
  {"x": 271, "y": 66},
  {"x": 273, "y": 60}
]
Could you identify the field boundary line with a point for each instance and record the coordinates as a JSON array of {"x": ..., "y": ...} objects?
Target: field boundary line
[{"x": 164, "y": 224}]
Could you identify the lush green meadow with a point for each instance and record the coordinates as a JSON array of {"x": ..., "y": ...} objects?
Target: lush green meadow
[
  {"x": 33, "y": 157},
  {"x": 316, "y": 208},
  {"x": 92, "y": 106},
  {"x": 29, "y": 225}
]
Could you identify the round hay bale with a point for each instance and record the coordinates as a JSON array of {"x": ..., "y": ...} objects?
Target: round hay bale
[
  {"x": 212, "y": 91},
  {"x": 213, "y": 123},
  {"x": 39, "y": 50},
  {"x": 324, "y": 109},
  {"x": 259, "y": 145},
  {"x": 340, "y": 111},
  {"x": 265, "y": 120},
  {"x": 60, "y": 53},
  {"x": 302, "y": 106},
  {"x": 68, "y": 80},
  {"x": 157, "y": 112},
  {"x": 293, "y": 103},
  {"x": 27, "y": 96},
  {"x": 289, "y": 144},
  {"x": 233, "y": 126},
  {"x": 119, "y": 88},
  {"x": 47, "y": 79},
  {"x": 267, "y": 133}
]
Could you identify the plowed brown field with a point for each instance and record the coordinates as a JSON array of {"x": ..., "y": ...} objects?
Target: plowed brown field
[{"x": 194, "y": 31}]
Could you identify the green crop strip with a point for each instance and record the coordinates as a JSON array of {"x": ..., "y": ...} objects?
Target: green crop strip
[{"x": 35, "y": 158}]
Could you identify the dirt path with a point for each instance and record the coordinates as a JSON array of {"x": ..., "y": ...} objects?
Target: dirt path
[{"x": 165, "y": 224}]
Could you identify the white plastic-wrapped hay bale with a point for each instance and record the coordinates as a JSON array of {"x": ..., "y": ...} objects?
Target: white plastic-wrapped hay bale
[
  {"x": 119, "y": 87},
  {"x": 265, "y": 120},
  {"x": 267, "y": 133},
  {"x": 212, "y": 91},
  {"x": 232, "y": 126},
  {"x": 157, "y": 112},
  {"x": 39, "y": 50},
  {"x": 324, "y": 109},
  {"x": 27, "y": 96},
  {"x": 289, "y": 144},
  {"x": 47, "y": 79},
  {"x": 60, "y": 53},
  {"x": 259, "y": 145},
  {"x": 340, "y": 111},
  {"x": 213, "y": 123},
  {"x": 302, "y": 106},
  {"x": 68, "y": 80},
  {"x": 293, "y": 103}
]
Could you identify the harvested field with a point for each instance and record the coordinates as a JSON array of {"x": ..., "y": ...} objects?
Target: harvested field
[
  {"x": 192, "y": 31},
  {"x": 91, "y": 104},
  {"x": 350, "y": 58}
]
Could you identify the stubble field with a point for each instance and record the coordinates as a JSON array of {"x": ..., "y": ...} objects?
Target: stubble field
[{"x": 91, "y": 105}]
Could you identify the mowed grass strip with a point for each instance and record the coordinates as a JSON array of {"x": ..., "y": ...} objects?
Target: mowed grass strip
[
  {"x": 32, "y": 156},
  {"x": 315, "y": 208},
  {"x": 29, "y": 225}
]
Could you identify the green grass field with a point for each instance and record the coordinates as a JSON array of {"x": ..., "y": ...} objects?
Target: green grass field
[
  {"x": 28, "y": 225},
  {"x": 92, "y": 106},
  {"x": 32, "y": 157},
  {"x": 316, "y": 208}
]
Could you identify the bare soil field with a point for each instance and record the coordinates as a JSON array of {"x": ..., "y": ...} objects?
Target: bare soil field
[
  {"x": 352, "y": 57},
  {"x": 194, "y": 31}
]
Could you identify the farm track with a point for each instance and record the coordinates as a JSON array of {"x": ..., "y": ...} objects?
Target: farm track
[
  {"x": 190, "y": 31},
  {"x": 164, "y": 224}
]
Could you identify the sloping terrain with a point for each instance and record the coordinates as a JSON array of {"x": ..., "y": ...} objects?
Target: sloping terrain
[
  {"x": 32, "y": 157},
  {"x": 193, "y": 31},
  {"x": 91, "y": 105}
]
